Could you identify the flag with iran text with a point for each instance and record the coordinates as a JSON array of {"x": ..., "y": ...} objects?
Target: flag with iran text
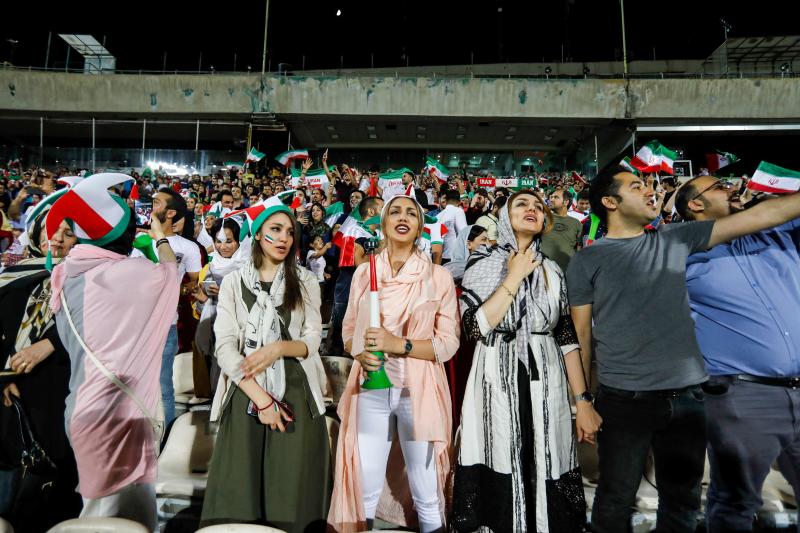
[{"x": 315, "y": 179}]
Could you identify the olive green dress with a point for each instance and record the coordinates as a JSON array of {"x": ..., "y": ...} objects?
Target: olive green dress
[{"x": 267, "y": 477}]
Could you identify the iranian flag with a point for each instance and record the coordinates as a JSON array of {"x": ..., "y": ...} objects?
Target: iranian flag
[
  {"x": 392, "y": 179},
  {"x": 774, "y": 179},
  {"x": 346, "y": 237},
  {"x": 315, "y": 179},
  {"x": 654, "y": 157},
  {"x": 626, "y": 163},
  {"x": 434, "y": 168},
  {"x": 719, "y": 159},
  {"x": 333, "y": 212},
  {"x": 255, "y": 156},
  {"x": 287, "y": 157}
]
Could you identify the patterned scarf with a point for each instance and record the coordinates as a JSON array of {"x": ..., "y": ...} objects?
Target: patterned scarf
[
  {"x": 263, "y": 326},
  {"x": 533, "y": 304}
]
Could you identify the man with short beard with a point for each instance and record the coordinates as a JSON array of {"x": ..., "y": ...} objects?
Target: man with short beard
[
  {"x": 238, "y": 199},
  {"x": 745, "y": 297}
]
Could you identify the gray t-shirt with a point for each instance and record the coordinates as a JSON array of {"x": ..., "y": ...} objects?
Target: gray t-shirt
[{"x": 643, "y": 333}]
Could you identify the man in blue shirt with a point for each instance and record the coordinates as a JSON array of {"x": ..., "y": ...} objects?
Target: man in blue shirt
[{"x": 745, "y": 299}]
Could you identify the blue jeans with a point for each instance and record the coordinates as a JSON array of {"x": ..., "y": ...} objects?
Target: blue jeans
[
  {"x": 674, "y": 426},
  {"x": 167, "y": 360},
  {"x": 750, "y": 426}
]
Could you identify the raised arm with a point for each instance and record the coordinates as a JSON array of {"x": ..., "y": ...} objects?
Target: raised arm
[{"x": 767, "y": 214}]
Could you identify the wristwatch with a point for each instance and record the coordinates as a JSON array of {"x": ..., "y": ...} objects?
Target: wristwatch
[
  {"x": 585, "y": 396},
  {"x": 408, "y": 347}
]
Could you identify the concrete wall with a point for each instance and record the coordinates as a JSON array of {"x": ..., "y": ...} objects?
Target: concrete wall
[{"x": 206, "y": 96}]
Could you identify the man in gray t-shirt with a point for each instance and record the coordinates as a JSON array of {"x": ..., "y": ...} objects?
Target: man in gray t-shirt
[
  {"x": 628, "y": 297},
  {"x": 643, "y": 331}
]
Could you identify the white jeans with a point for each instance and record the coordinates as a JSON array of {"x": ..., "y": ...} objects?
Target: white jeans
[
  {"x": 135, "y": 502},
  {"x": 381, "y": 413}
]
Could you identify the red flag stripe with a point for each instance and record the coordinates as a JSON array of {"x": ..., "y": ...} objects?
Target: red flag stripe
[{"x": 72, "y": 206}]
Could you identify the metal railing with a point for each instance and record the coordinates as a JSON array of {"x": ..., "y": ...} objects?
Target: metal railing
[{"x": 433, "y": 74}]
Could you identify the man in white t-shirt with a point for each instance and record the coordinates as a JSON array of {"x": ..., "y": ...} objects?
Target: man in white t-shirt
[
  {"x": 168, "y": 207},
  {"x": 454, "y": 219}
]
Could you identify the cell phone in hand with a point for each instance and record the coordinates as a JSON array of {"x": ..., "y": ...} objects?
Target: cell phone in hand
[
  {"x": 209, "y": 284},
  {"x": 252, "y": 410}
]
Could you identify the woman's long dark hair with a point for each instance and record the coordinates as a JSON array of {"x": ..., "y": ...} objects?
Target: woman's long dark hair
[{"x": 292, "y": 296}]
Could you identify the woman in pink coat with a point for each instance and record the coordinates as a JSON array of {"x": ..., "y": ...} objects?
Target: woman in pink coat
[{"x": 393, "y": 456}]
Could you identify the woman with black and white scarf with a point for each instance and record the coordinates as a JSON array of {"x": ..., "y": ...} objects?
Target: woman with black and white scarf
[
  {"x": 517, "y": 464},
  {"x": 271, "y": 462}
]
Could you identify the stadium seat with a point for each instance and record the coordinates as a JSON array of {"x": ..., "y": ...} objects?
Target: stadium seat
[
  {"x": 337, "y": 369},
  {"x": 239, "y": 528},
  {"x": 96, "y": 524},
  {"x": 183, "y": 464},
  {"x": 183, "y": 378}
]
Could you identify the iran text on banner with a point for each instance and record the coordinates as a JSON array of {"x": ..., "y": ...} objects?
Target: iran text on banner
[
  {"x": 255, "y": 156},
  {"x": 434, "y": 168},
  {"x": 287, "y": 157},
  {"x": 393, "y": 179},
  {"x": 654, "y": 157},
  {"x": 774, "y": 179},
  {"x": 509, "y": 183},
  {"x": 719, "y": 159},
  {"x": 315, "y": 179}
]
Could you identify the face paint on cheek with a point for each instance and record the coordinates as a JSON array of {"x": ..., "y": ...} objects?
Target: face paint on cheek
[{"x": 269, "y": 239}]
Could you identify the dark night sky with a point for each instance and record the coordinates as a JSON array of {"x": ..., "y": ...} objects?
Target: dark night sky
[{"x": 430, "y": 33}]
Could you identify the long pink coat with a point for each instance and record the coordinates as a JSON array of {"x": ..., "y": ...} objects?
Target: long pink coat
[
  {"x": 419, "y": 303},
  {"x": 122, "y": 307}
]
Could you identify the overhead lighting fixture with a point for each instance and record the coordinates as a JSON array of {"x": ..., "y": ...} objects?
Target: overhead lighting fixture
[
  {"x": 459, "y": 136},
  {"x": 509, "y": 137},
  {"x": 512, "y": 129},
  {"x": 334, "y": 136},
  {"x": 370, "y": 127},
  {"x": 421, "y": 136},
  {"x": 421, "y": 128},
  {"x": 548, "y": 137},
  {"x": 553, "y": 130},
  {"x": 548, "y": 70},
  {"x": 373, "y": 135},
  {"x": 331, "y": 127},
  {"x": 461, "y": 127}
]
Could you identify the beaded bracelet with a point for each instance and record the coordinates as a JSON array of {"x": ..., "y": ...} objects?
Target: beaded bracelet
[{"x": 511, "y": 294}]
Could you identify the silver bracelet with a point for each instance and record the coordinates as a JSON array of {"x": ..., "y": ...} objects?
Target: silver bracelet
[{"x": 435, "y": 351}]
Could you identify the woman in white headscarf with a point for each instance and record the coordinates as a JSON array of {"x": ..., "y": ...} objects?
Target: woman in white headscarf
[{"x": 517, "y": 465}]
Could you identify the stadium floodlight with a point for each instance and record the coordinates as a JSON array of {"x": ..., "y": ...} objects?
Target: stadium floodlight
[{"x": 785, "y": 67}]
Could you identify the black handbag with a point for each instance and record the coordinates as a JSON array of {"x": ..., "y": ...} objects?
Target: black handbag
[{"x": 37, "y": 471}]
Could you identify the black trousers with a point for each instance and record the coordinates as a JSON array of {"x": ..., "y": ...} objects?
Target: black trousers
[{"x": 673, "y": 425}]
